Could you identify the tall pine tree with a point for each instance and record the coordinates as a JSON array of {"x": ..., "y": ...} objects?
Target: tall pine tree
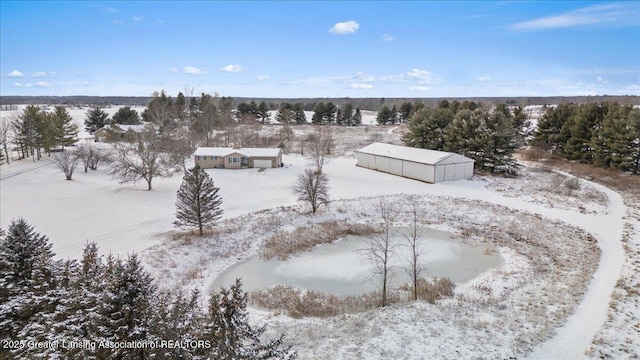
[
  {"x": 96, "y": 118},
  {"x": 198, "y": 203},
  {"x": 65, "y": 131},
  {"x": 231, "y": 335},
  {"x": 26, "y": 277}
]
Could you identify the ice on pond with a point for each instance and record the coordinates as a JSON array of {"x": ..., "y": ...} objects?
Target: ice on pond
[{"x": 341, "y": 268}]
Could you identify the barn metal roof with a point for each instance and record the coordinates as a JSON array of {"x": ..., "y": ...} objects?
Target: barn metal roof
[{"x": 424, "y": 156}]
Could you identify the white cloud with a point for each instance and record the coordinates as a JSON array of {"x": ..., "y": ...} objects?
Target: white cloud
[
  {"x": 82, "y": 83},
  {"x": 418, "y": 88},
  {"x": 43, "y": 74},
  {"x": 263, "y": 77},
  {"x": 17, "y": 84},
  {"x": 174, "y": 70},
  {"x": 362, "y": 77},
  {"x": 602, "y": 80},
  {"x": 118, "y": 22},
  {"x": 193, "y": 70},
  {"x": 422, "y": 76},
  {"x": 136, "y": 18},
  {"x": 110, "y": 10},
  {"x": 15, "y": 74},
  {"x": 621, "y": 13},
  {"x": 483, "y": 78},
  {"x": 345, "y": 28},
  {"x": 360, "y": 86},
  {"x": 41, "y": 84},
  {"x": 232, "y": 68},
  {"x": 159, "y": 21},
  {"x": 387, "y": 37}
]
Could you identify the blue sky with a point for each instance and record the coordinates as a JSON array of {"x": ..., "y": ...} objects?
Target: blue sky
[{"x": 320, "y": 49}]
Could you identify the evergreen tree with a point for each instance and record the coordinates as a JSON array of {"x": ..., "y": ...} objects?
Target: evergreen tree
[
  {"x": 198, "y": 203},
  {"x": 329, "y": 115},
  {"x": 125, "y": 308},
  {"x": 300, "y": 117},
  {"x": 176, "y": 317},
  {"x": 33, "y": 131},
  {"x": 346, "y": 115},
  {"x": 26, "y": 277},
  {"x": 180, "y": 106},
  {"x": 548, "y": 133},
  {"x": 463, "y": 134},
  {"x": 428, "y": 127},
  {"x": 406, "y": 110},
  {"x": 357, "y": 117},
  {"x": 393, "y": 115},
  {"x": 631, "y": 158},
  {"x": 126, "y": 116},
  {"x": 263, "y": 111},
  {"x": 522, "y": 123},
  {"x": 498, "y": 140},
  {"x": 319, "y": 113},
  {"x": 231, "y": 336},
  {"x": 159, "y": 110},
  {"x": 384, "y": 115},
  {"x": 285, "y": 113},
  {"x": 96, "y": 119},
  {"x": 607, "y": 139},
  {"x": 580, "y": 129},
  {"x": 65, "y": 131}
]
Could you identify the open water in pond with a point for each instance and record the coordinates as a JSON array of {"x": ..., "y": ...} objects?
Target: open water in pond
[{"x": 341, "y": 268}]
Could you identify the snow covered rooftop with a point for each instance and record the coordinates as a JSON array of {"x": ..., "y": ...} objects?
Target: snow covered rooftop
[
  {"x": 249, "y": 152},
  {"x": 424, "y": 156},
  {"x": 134, "y": 128}
]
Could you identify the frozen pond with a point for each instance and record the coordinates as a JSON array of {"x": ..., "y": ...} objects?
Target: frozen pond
[{"x": 341, "y": 268}]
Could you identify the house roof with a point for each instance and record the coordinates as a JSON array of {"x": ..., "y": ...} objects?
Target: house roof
[
  {"x": 134, "y": 128},
  {"x": 124, "y": 128},
  {"x": 248, "y": 152},
  {"x": 418, "y": 155}
]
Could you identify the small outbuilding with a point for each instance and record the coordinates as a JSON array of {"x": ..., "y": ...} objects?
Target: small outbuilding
[
  {"x": 119, "y": 132},
  {"x": 237, "y": 157},
  {"x": 420, "y": 164}
]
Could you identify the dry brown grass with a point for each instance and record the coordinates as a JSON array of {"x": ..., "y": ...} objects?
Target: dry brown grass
[
  {"x": 284, "y": 244},
  {"x": 295, "y": 303},
  {"x": 611, "y": 178},
  {"x": 489, "y": 250}
]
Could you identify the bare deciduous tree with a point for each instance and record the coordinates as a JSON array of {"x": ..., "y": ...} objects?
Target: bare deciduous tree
[
  {"x": 382, "y": 249},
  {"x": 90, "y": 156},
  {"x": 5, "y": 127},
  {"x": 142, "y": 160},
  {"x": 312, "y": 187},
  {"x": 414, "y": 236},
  {"x": 67, "y": 162},
  {"x": 321, "y": 144}
]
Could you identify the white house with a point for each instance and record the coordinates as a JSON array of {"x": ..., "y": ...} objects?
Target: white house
[
  {"x": 237, "y": 157},
  {"x": 421, "y": 164}
]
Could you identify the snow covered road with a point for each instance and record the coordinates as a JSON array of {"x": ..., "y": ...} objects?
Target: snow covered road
[{"x": 574, "y": 338}]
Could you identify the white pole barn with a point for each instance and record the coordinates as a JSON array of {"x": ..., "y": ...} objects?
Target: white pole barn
[{"x": 420, "y": 164}]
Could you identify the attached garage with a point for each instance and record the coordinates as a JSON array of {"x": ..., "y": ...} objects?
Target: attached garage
[
  {"x": 262, "y": 163},
  {"x": 420, "y": 164}
]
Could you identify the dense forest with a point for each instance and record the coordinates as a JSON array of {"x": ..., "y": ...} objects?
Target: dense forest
[{"x": 606, "y": 135}]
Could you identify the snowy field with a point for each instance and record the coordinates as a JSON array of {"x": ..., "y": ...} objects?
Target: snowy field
[{"x": 554, "y": 296}]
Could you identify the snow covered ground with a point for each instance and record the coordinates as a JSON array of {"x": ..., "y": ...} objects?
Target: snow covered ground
[{"x": 508, "y": 315}]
